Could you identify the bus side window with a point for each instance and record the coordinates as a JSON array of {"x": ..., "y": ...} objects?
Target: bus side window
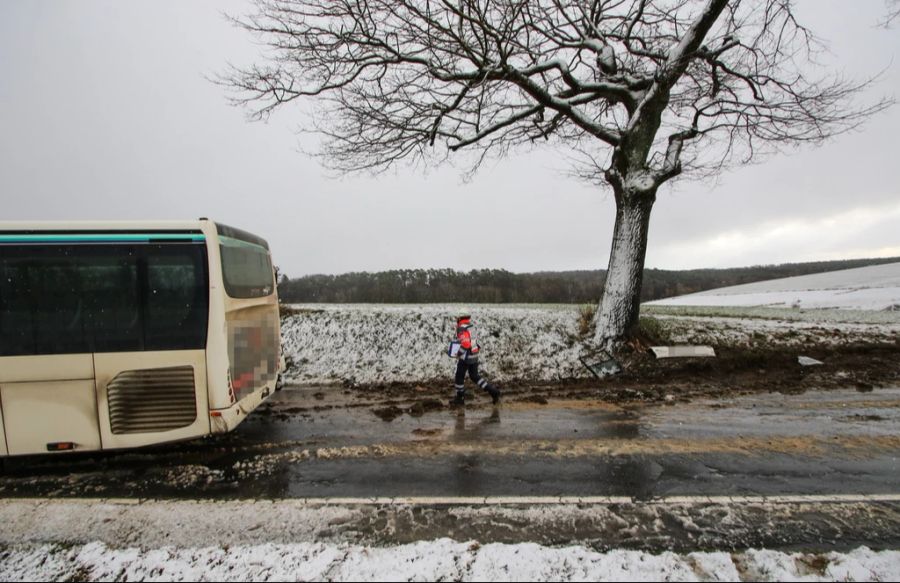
[
  {"x": 176, "y": 304},
  {"x": 41, "y": 310},
  {"x": 59, "y": 312},
  {"x": 17, "y": 334},
  {"x": 111, "y": 288}
]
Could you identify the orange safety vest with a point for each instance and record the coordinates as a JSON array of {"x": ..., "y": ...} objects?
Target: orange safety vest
[{"x": 466, "y": 338}]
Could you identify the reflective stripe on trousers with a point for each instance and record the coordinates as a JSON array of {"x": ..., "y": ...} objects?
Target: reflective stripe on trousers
[{"x": 472, "y": 368}]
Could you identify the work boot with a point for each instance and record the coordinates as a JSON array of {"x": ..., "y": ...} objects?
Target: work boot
[
  {"x": 459, "y": 400},
  {"x": 495, "y": 395}
]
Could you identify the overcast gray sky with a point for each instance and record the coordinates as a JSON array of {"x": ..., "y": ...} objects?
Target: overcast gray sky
[{"x": 106, "y": 113}]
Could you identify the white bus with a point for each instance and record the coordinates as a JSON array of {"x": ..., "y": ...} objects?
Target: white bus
[{"x": 125, "y": 334}]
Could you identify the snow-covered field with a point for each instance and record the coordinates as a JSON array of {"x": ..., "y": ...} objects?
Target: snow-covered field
[
  {"x": 438, "y": 560},
  {"x": 875, "y": 287},
  {"x": 363, "y": 344},
  {"x": 385, "y": 343}
]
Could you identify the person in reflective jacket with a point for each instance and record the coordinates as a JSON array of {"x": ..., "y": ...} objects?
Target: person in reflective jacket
[{"x": 467, "y": 356}]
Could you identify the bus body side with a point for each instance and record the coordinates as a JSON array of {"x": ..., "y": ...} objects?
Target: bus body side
[{"x": 155, "y": 367}]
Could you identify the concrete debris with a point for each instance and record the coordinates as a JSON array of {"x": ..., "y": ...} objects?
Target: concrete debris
[
  {"x": 807, "y": 361},
  {"x": 683, "y": 351}
]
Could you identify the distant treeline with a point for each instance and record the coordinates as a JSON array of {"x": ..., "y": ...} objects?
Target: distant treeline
[{"x": 501, "y": 286}]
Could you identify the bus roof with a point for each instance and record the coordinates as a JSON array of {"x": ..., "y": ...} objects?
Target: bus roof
[
  {"x": 114, "y": 226},
  {"x": 125, "y": 227}
]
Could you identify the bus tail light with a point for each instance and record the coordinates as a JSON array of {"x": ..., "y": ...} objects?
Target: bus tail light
[
  {"x": 215, "y": 413},
  {"x": 230, "y": 387},
  {"x": 61, "y": 446}
]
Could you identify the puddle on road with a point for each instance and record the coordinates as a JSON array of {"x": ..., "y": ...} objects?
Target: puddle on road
[{"x": 360, "y": 426}]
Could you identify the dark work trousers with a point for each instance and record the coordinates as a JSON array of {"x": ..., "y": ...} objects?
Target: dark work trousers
[{"x": 472, "y": 367}]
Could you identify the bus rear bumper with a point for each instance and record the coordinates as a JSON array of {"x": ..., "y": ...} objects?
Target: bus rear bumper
[{"x": 225, "y": 420}]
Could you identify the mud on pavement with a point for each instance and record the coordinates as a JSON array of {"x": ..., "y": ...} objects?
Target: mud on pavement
[
  {"x": 735, "y": 371},
  {"x": 327, "y": 442}
]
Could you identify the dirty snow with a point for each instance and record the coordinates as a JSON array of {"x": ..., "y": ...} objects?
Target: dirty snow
[
  {"x": 363, "y": 344},
  {"x": 81, "y": 540},
  {"x": 442, "y": 559},
  {"x": 875, "y": 287}
]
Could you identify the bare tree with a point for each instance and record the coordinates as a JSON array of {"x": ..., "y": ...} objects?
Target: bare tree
[
  {"x": 893, "y": 12},
  {"x": 641, "y": 90}
]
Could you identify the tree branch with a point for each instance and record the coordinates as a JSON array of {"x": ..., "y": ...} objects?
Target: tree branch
[{"x": 423, "y": 79}]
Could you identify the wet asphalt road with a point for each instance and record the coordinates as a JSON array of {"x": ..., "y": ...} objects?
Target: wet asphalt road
[{"x": 327, "y": 442}]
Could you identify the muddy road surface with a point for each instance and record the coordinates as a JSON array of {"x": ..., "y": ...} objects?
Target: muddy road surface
[
  {"x": 326, "y": 442},
  {"x": 816, "y": 470}
]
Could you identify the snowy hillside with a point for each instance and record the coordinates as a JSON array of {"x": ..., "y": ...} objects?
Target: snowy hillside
[{"x": 866, "y": 288}]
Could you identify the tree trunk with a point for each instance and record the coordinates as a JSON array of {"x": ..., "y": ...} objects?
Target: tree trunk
[{"x": 617, "y": 315}]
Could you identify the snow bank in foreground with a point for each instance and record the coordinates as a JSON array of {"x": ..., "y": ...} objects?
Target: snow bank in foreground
[
  {"x": 866, "y": 288},
  {"x": 443, "y": 560}
]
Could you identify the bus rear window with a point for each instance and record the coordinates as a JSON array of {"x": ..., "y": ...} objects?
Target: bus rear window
[{"x": 246, "y": 269}]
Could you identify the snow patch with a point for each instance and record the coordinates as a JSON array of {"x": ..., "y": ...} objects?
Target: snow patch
[
  {"x": 875, "y": 287},
  {"x": 442, "y": 559}
]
